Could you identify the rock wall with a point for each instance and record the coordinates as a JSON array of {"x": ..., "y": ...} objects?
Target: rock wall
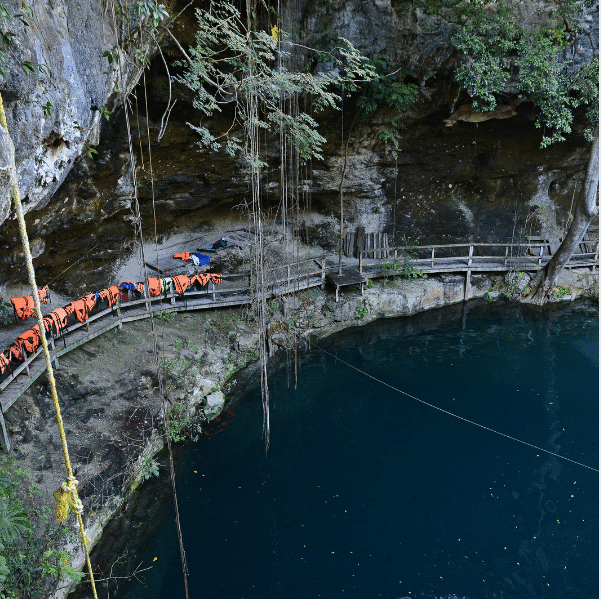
[{"x": 484, "y": 181}]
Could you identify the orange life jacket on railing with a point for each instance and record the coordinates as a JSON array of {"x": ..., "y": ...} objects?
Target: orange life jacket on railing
[
  {"x": 59, "y": 318},
  {"x": 4, "y": 362},
  {"x": 30, "y": 339},
  {"x": 15, "y": 349},
  {"x": 44, "y": 295},
  {"x": 181, "y": 282},
  {"x": 140, "y": 288},
  {"x": 78, "y": 308},
  {"x": 23, "y": 306},
  {"x": 182, "y": 256},
  {"x": 110, "y": 295},
  {"x": 90, "y": 301},
  {"x": 217, "y": 279},
  {"x": 202, "y": 279},
  {"x": 154, "y": 287}
]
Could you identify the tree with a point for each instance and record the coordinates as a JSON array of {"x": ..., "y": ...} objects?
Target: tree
[{"x": 586, "y": 209}]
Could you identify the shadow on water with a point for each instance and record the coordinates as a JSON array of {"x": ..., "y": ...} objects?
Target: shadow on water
[{"x": 368, "y": 493}]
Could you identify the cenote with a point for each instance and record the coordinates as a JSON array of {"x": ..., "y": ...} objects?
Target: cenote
[{"x": 366, "y": 492}]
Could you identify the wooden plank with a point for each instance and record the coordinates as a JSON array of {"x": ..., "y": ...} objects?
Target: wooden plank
[
  {"x": 4, "y": 431},
  {"x": 361, "y": 239}
]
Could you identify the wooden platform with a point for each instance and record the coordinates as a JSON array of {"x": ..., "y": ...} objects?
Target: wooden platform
[{"x": 348, "y": 277}]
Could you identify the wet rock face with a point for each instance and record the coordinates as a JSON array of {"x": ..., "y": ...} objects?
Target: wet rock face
[{"x": 484, "y": 181}]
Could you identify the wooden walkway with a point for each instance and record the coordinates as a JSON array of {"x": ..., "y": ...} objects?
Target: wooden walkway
[{"x": 290, "y": 278}]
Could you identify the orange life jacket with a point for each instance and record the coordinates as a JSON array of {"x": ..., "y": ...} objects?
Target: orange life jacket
[
  {"x": 154, "y": 287},
  {"x": 80, "y": 309},
  {"x": 4, "y": 362},
  {"x": 182, "y": 256},
  {"x": 140, "y": 288},
  {"x": 23, "y": 306},
  {"x": 217, "y": 279},
  {"x": 181, "y": 282},
  {"x": 59, "y": 318},
  {"x": 44, "y": 295},
  {"x": 110, "y": 295},
  {"x": 30, "y": 339},
  {"x": 16, "y": 349},
  {"x": 90, "y": 301},
  {"x": 202, "y": 279}
]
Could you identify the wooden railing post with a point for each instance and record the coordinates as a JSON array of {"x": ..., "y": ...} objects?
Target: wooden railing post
[
  {"x": 323, "y": 273},
  {"x": 432, "y": 261},
  {"x": 506, "y": 255},
  {"x": 4, "y": 431},
  {"x": 468, "y": 276},
  {"x": 540, "y": 255},
  {"x": 120, "y": 325},
  {"x": 26, "y": 362},
  {"x": 52, "y": 347},
  {"x": 360, "y": 254},
  {"x": 212, "y": 287}
]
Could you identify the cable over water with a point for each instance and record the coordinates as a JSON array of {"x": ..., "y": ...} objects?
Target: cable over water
[{"x": 452, "y": 414}]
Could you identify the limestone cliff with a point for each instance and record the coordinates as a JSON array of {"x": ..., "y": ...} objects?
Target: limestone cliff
[{"x": 475, "y": 180}]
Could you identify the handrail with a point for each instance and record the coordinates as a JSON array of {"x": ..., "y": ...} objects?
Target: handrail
[{"x": 470, "y": 257}]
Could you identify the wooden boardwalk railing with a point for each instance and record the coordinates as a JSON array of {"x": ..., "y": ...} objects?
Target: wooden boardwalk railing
[
  {"x": 288, "y": 278},
  {"x": 235, "y": 290}
]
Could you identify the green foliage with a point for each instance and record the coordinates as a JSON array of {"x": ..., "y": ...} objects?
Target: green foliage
[
  {"x": 28, "y": 535},
  {"x": 404, "y": 267},
  {"x": 361, "y": 312},
  {"x": 8, "y": 21},
  {"x": 89, "y": 151},
  {"x": 388, "y": 89},
  {"x": 497, "y": 51},
  {"x": 230, "y": 65},
  {"x": 149, "y": 467},
  {"x": 369, "y": 284},
  {"x": 5, "y": 312},
  {"x": 562, "y": 292},
  {"x": 181, "y": 424}
]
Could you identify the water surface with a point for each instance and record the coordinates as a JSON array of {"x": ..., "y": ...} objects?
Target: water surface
[{"x": 366, "y": 492}]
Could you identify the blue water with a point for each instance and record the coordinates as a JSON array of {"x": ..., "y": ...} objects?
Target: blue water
[{"x": 366, "y": 492}]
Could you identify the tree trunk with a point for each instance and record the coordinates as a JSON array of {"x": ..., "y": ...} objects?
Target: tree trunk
[{"x": 586, "y": 209}]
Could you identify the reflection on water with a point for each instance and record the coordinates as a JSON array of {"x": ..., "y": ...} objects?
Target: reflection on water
[{"x": 368, "y": 493}]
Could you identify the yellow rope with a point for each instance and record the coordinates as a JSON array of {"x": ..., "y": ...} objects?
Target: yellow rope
[{"x": 66, "y": 496}]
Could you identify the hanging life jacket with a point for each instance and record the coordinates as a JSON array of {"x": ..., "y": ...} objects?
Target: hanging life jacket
[
  {"x": 139, "y": 287},
  {"x": 181, "y": 282},
  {"x": 4, "y": 362},
  {"x": 110, "y": 295},
  {"x": 23, "y": 306},
  {"x": 217, "y": 279},
  {"x": 59, "y": 318},
  {"x": 15, "y": 350},
  {"x": 201, "y": 279},
  {"x": 44, "y": 295},
  {"x": 30, "y": 339},
  {"x": 154, "y": 287},
  {"x": 79, "y": 308},
  {"x": 183, "y": 256}
]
